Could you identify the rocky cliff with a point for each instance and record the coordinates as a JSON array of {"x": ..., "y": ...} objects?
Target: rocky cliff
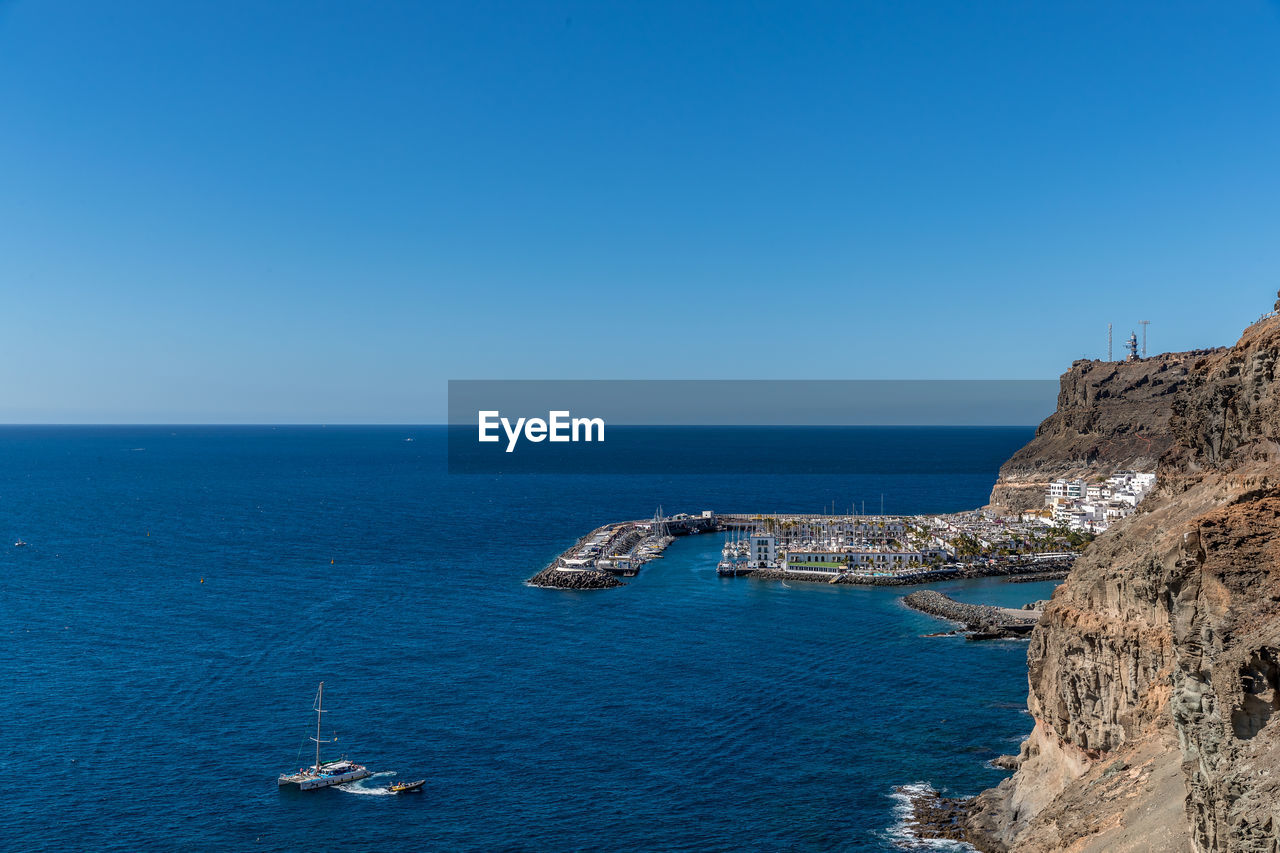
[
  {"x": 1154, "y": 674},
  {"x": 1111, "y": 416}
]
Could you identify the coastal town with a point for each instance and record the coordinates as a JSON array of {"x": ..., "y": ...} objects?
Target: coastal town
[
  {"x": 866, "y": 549},
  {"x": 1092, "y": 507}
]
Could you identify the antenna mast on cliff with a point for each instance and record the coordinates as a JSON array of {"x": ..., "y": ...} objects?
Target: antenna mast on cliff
[
  {"x": 1108, "y": 342},
  {"x": 1144, "y": 324}
]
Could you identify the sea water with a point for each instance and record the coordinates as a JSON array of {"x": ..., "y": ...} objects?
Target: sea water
[{"x": 184, "y": 590}]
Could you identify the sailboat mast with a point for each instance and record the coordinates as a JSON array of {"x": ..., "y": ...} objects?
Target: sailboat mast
[{"x": 319, "y": 711}]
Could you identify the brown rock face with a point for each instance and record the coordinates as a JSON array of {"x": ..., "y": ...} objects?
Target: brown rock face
[
  {"x": 1154, "y": 673},
  {"x": 1112, "y": 416}
]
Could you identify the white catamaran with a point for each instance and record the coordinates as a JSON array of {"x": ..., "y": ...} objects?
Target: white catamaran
[{"x": 324, "y": 774}]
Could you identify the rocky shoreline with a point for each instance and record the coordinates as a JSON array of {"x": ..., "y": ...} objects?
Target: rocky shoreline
[
  {"x": 1059, "y": 575},
  {"x": 1019, "y": 572},
  {"x": 934, "y": 816},
  {"x": 980, "y": 621}
]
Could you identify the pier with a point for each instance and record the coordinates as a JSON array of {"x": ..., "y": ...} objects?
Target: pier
[{"x": 597, "y": 560}]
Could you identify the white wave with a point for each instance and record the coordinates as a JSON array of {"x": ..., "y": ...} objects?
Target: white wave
[
  {"x": 360, "y": 786},
  {"x": 903, "y": 833}
]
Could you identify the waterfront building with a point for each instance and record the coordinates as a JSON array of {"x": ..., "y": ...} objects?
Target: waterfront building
[
  {"x": 843, "y": 559},
  {"x": 762, "y": 550}
]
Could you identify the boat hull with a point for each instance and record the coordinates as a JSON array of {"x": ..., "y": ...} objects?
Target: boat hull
[{"x": 310, "y": 783}]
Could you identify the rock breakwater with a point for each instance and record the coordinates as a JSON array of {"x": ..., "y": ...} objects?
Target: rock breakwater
[
  {"x": 980, "y": 621},
  {"x": 555, "y": 578}
]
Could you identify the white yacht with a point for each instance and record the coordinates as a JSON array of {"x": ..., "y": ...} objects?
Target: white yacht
[{"x": 322, "y": 774}]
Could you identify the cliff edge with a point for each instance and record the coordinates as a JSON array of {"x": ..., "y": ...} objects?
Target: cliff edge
[
  {"x": 1154, "y": 673},
  {"x": 1111, "y": 416}
]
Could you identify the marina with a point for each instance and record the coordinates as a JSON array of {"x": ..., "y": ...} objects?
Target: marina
[{"x": 877, "y": 550}]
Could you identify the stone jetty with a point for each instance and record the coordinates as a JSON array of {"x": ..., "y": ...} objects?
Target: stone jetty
[
  {"x": 554, "y": 578},
  {"x": 1013, "y": 571},
  {"x": 905, "y": 579},
  {"x": 1017, "y": 570},
  {"x": 980, "y": 621},
  {"x": 1059, "y": 575}
]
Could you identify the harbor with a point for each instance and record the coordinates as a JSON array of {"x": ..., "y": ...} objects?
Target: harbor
[{"x": 875, "y": 550}]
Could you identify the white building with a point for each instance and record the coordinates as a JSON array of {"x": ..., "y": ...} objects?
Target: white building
[
  {"x": 828, "y": 561},
  {"x": 762, "y": 550},
  {"x": 1065, "y": 490},
  {"x": 1095, "y": 506}
]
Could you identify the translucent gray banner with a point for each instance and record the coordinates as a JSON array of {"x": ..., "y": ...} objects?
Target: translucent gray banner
[
  {"x": 764, "y": 402},
  {"x": 741, "y": 426}
]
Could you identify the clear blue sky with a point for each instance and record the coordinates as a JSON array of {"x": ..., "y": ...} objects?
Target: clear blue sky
[{"x": 320, "y": 212}]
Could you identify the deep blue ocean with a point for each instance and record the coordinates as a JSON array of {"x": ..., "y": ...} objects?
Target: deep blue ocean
[{"x": 185, "y": 588}]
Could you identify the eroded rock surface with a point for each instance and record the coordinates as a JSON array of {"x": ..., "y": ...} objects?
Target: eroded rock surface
[
  {"x": 1111, "y": 416},
  {"x": 1154, "y": 673}
]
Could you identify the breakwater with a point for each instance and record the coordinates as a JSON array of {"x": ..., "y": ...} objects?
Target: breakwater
[
  {"x": 1058, "y": 575},
  {"x": 552, "y": 577},
  {"x": 852, "y": 577},
  {"x": 1013, "y": 571},
  {"x": 980, "y": 621},
  {"x": 1018, "y": 571}
]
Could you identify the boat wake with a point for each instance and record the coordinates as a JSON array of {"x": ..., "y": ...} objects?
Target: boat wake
[
  {"x": 361, "y": 786},
  {"x": 905, "y": 832}
]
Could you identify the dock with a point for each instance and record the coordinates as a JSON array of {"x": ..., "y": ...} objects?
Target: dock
[{"x": 597, "y": 560}]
